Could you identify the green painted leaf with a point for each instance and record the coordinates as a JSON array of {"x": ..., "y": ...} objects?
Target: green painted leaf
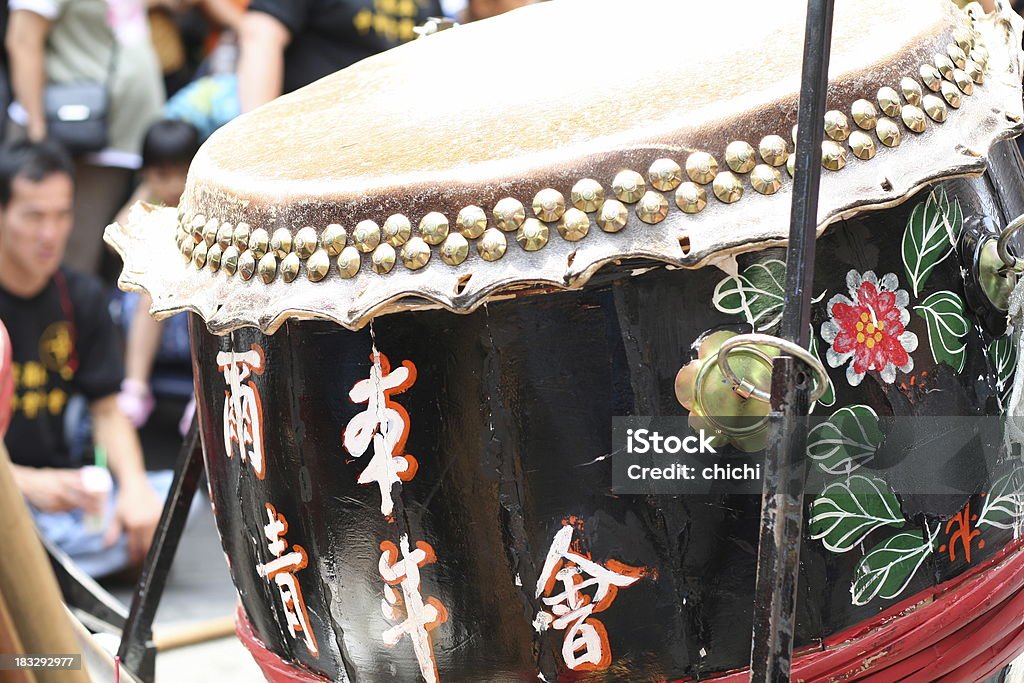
[
  {"x": 756, "y": 294},
  {"x": 1003, "y": 353},
  {"x": 933, "y": 229},
  {"x": 828, "y": 399},
  {"x": 888, "y": 568},
  {"x": 1004, "y": 502},
  {"x": 947, "y": 326},
  {"x": 847, "y": 511},
  {"x": 845, "y": 441}
]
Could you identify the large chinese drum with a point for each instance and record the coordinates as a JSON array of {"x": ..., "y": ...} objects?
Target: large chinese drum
[{"x": 423, "y": 288}]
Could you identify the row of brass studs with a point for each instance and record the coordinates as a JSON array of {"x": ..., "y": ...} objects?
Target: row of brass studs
[{"x": 248, "y": 252}]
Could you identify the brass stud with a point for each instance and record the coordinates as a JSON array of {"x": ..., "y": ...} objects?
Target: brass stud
[
  {"x": 241, "y": 236},
  {"x": 773, "y": 150},
  {"x": 913, "y": 118},
  {"x": 587, "y": 195},
  {"x": 791, "y": 165},
  {"x": 197, "y": 225},
  {"x": 509, "y": 214},
  {"x": 382, "y": 260},
  {"x": 366, "y": 236},
  {"x": 613, "y": 215},
  {"x": 471, "y": 222},
  {"x": 267, "y": 268},
  {"x": 833, "y": 155},
  {"x": 945, "y": 66},
  {"x": 574, "y": 226},
  {"x": 765, "y": 179},
  {"x": 653, "y": 207},
  {"x": 229, "y": 260},
  {"x": 963, "y": 38},
  {"x": 889, "y": 101},
  {"x": 397, "y": 230},
  {"x": 888, "y": 132},
  {"x": 628, "y": 186},
  {"x": 935, "y": 108},
  {"x": 224, "y": 234},
  {"x": 213, "y": 257},
  {"x": 199, "y": 255},
  {"x": 318, "y": 265},
  {"x": 665, "y": 175},
  {"x": 727, "y": 187},
  {"x": 415, "y": 253},
  {"x": 434, "y": 227},
  {"x": 931, "y": 77},
  {"x": 739, "y": 156},
  {"x": 549, "y": 205},
  {"x": 975, "y": 72},
  {"x": 247, "y": 264},
  {"x": 349, "y": 261},
  {"x": 837, "y": 126},
  {"x": 290, "y": 267},
  {"x": 492, "y": 245},
  {"x": 793, "y": 131},
  {"x": 281, "y": 242},
  {"x": 691, "y": 198},
  {"x": 701, "y": 167},
  {"x": 911, "y": 90},
  {"x": 533, "y": 234},
  {"x": 454, "y": 249},
  {"x": 963, "y": 81},
  {"x": 957, "y": 54},
  {"x": 305, "y": 242},
  {"x": 980, "y": 55},
  {"x": 333, "y": 239},
  {"x": 862, "y": 145},
  {"x": 188, "y": 245},
  {"x": 864, "y": 114},
  {"x": 210, "y": 231},
  {"x": 951, "y": 94}
]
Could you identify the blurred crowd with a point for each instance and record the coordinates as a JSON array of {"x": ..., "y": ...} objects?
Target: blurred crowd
[{"x": 107, "y": 103}]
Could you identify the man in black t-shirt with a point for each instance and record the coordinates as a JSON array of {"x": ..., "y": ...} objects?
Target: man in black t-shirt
[
  {"x": 286, "y": 44},
  {"x": 64, "y": 344}
]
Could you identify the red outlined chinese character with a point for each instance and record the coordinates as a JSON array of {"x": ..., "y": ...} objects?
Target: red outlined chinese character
[
  {"x": 416, "y": 616},
  {"x": 281, "y": 570},
  {"x": 574, "y": 588},
  {"x": 243, "y": 410},
  {"x": 963, "y": 534},
  {"x": 385, "y": 424}
]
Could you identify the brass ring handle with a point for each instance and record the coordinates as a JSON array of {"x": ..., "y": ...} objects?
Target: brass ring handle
[{"x": 747, "y": 390}]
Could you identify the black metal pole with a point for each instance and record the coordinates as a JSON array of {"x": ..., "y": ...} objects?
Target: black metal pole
[
  {"x": 778, "y": 561},
  {"x": 136, "y": 651}
]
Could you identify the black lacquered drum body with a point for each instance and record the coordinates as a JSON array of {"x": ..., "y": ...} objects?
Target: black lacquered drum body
[{"x": 430, "y": 497}]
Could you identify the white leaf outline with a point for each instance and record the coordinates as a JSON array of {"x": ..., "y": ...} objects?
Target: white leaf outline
[
  {"x": 939, "y": 232},
  {"x": 1004, "y": 359},
  {"x": 872, "y": 580},
  {"x": 1003, "y": 501},
  {"x": 742, "y": 286},
  {"x": 860, "y": 441},
  {"x": 939, "y": 328},
  {"x": 828, "y": 511}
]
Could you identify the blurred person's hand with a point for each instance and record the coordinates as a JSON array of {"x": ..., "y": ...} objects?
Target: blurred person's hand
[
  {"x": 136, "y": 516},
  {"x": 135, "y": 401},
  {"x": 57, "y": 490}
]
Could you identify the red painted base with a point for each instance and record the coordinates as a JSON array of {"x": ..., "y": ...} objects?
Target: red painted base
[{"x": 963, "y": 630}]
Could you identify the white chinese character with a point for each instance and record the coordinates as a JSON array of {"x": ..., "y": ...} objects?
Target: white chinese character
[
  {"x": 281, "y": 571},
  {"x": 384, "y": 423},
  {"x": 586, "y": 587},
  {"x": 419, "y": 616},
  {"x": 243, "y": 414}
]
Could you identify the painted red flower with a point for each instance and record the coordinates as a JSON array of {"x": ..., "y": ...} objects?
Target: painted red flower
[{"x": 869, "y": 328}]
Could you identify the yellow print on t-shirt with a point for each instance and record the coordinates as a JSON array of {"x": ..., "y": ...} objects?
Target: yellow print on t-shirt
[{"x": 393, "y": 20}]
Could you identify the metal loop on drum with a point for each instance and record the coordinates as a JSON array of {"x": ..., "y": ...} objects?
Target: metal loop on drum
[
  {"x": 745, "y": 388},
  {"x": 1003, "y": 245}
]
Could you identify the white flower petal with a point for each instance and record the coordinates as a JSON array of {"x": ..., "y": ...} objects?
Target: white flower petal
[
  {"x": 889, "y": 282},
  {"x": 870, "y": 276},
  {"x": 829, "y": 330},
  {"x": 902, "y": 298},
  {"x": 853, "y": 282},
  {"x": 889, "y": 373},
  {"x": 837, "y": 299},
  {"x": 836, "y": 359},
  {"x": 854, "y": 378},
  {"x": 909, "y": 341},
  {"x": 909, "y": 365}
]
